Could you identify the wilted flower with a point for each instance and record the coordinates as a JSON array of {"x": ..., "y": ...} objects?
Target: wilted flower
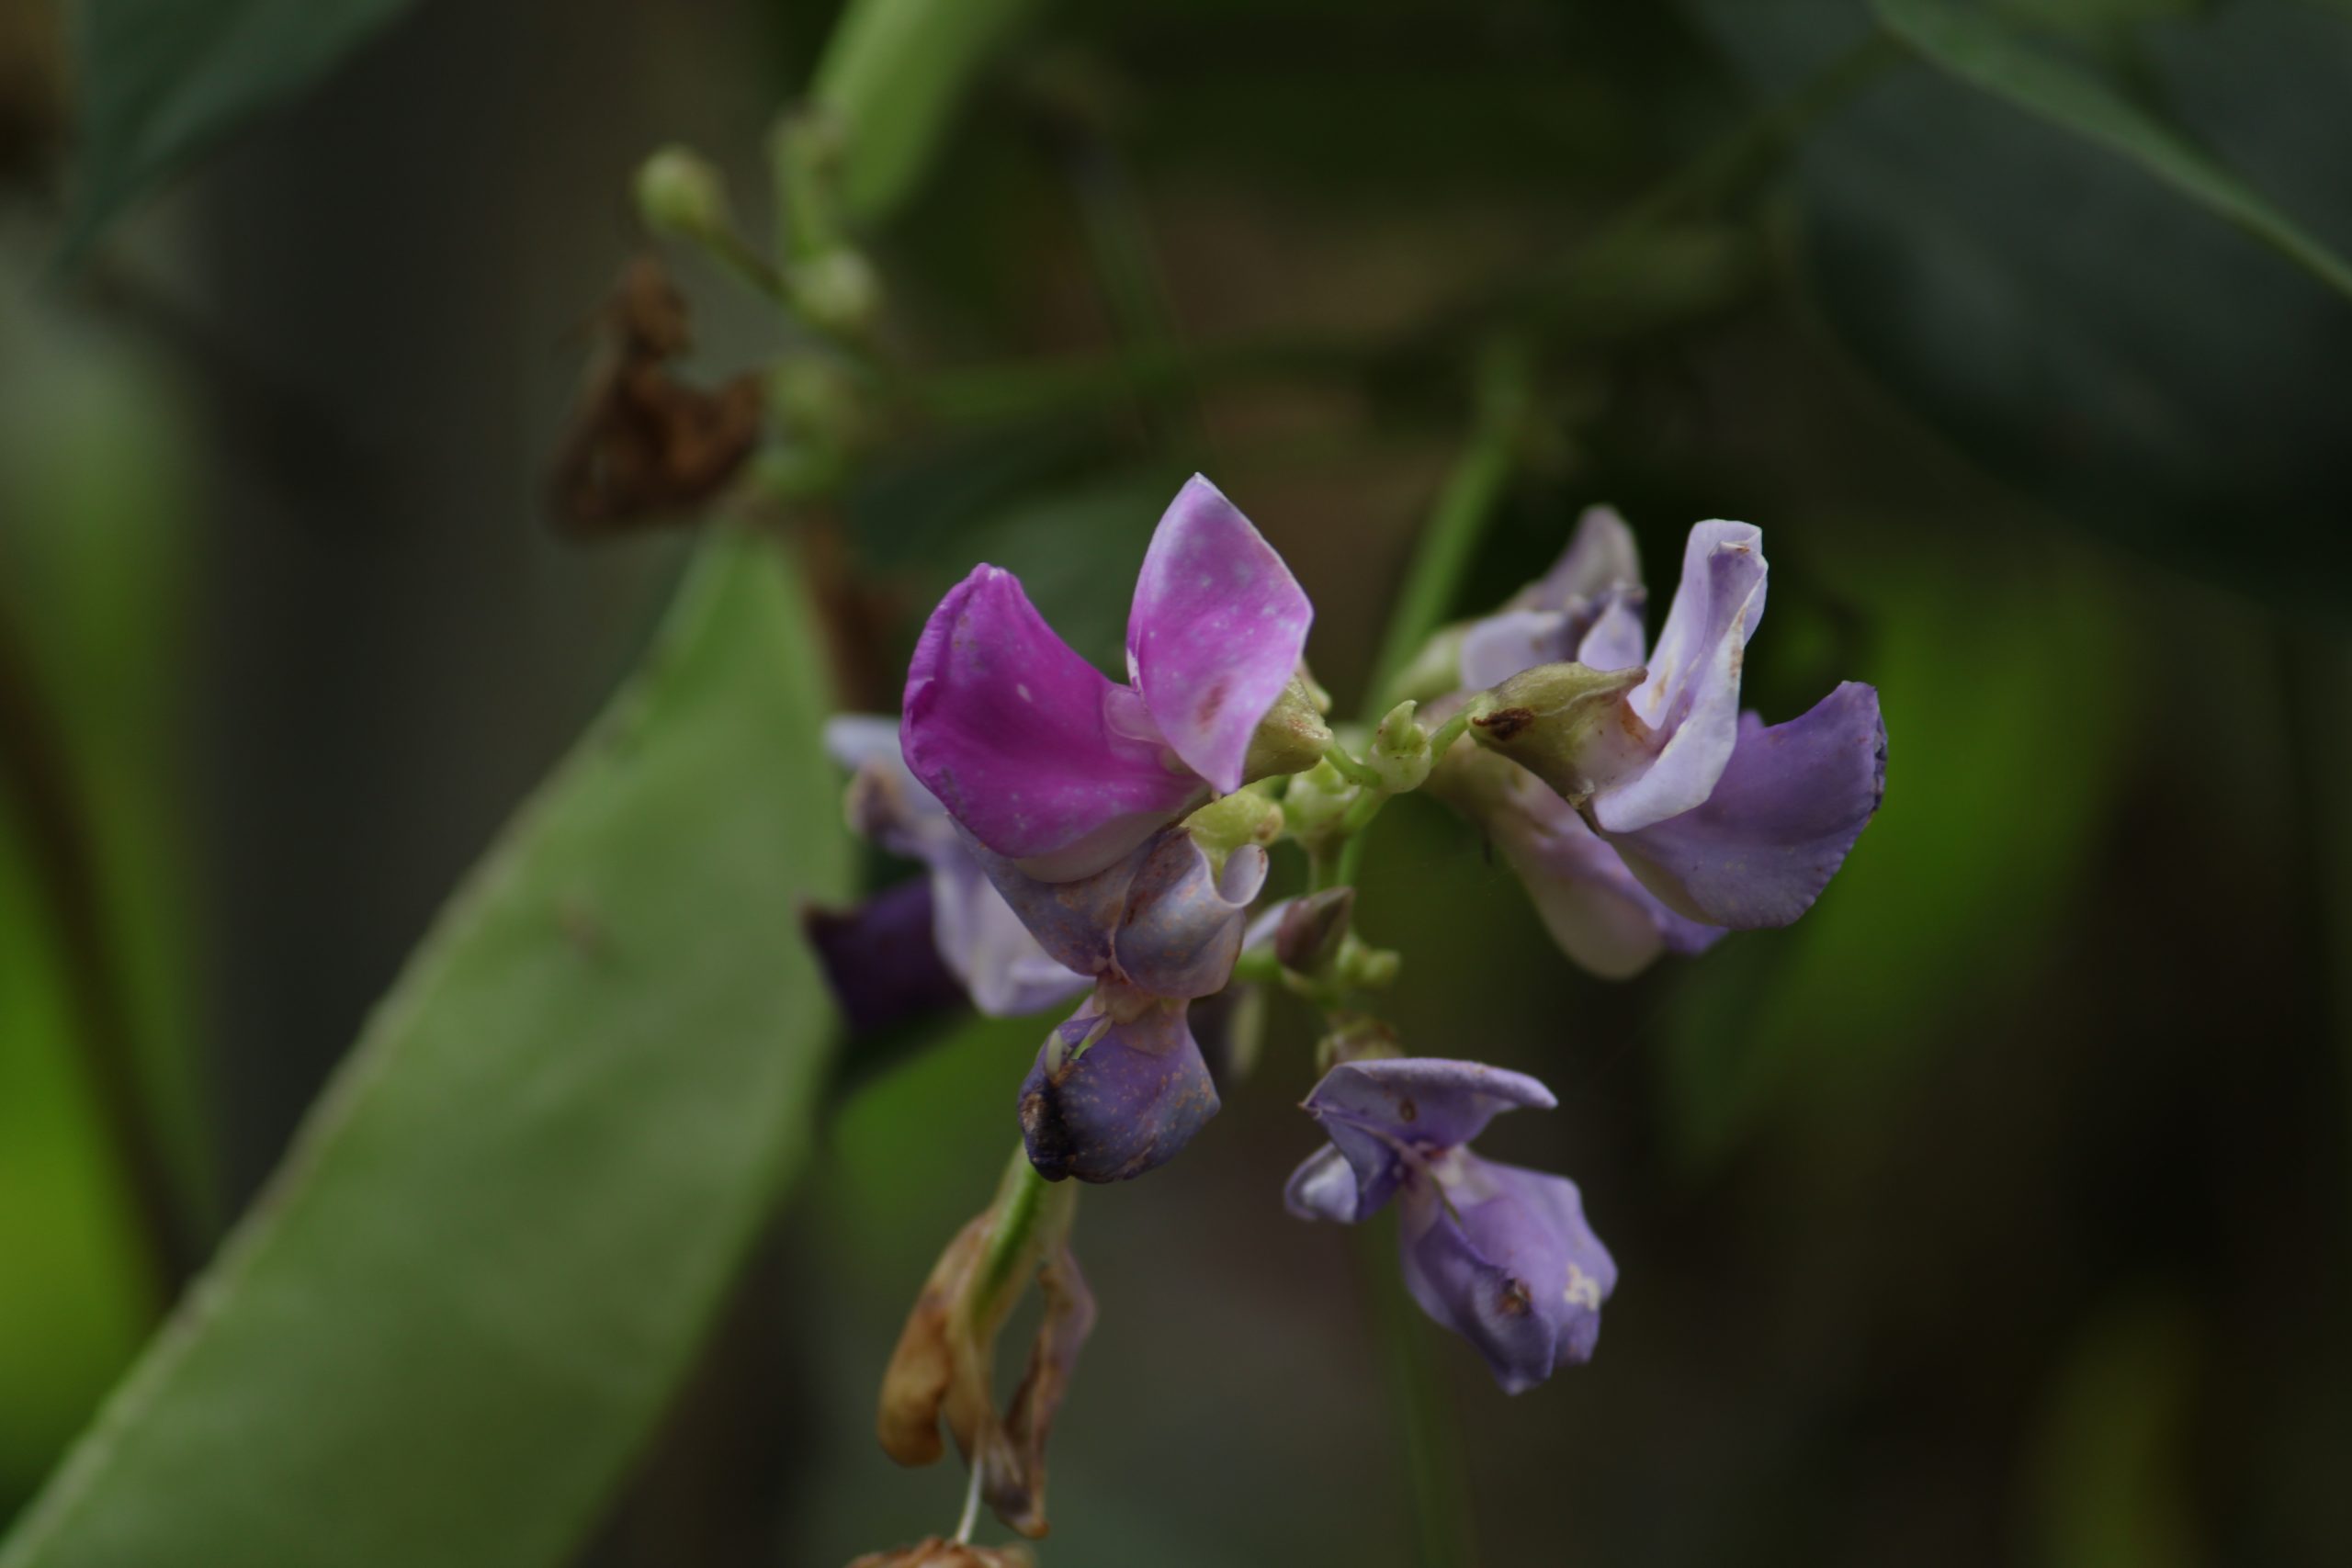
[
  {"x": 883, "y": 959},
  {"x": 1714, "y": 818},
  {"x": 1501, "y": 1256},
  {"x": 938, "y": 1552},
  {"x": 941, "y": 1371},
  {"x": 1047, "y": 762}
]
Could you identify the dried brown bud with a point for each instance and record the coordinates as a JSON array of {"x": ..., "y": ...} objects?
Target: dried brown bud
[{"x": 938, "y": 1552}]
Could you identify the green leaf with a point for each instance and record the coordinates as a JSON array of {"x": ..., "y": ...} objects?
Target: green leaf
[
  {"x": 1979, "y": 49},
  {"x": 454, "y": 1315},
  {"x": 891, "y": 77},
  {"x": 163, "y": 82}
]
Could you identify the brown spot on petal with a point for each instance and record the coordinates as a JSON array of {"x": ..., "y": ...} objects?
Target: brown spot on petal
[
  {"x": 1513, "y": 1301},
  {"x": 1212, "y": 701},
  {"x": 1408, "y": 1112}
]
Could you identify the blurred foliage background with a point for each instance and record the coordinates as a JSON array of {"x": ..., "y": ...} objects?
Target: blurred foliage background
[{"x": 1995, "y": 1212}]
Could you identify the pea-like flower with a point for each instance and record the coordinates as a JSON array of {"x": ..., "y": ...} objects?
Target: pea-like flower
[
  {"x": 1670, "y": 814},
  {"x": 1500, "y": 1255},
  {"x": 1121, "y": 1086},
  {"x": 1047, "y": 762},
  {"x": 912, "y": 946}
]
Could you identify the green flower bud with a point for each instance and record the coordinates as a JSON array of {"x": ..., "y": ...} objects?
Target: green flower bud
[
  {"x": 679, "y": 193},
  {"x": 1366, "y": 968},
  {"x": 837, "y": 290},
  {"x": 1400, "y": 751},
  {"x": 1315, "y": 800},
  {"x": 1569, "y": 726},
  {"x": 1226, "y": 823},
  {"x": 1293, "y": 735},
  {"x": 1355, "y": 1037}
]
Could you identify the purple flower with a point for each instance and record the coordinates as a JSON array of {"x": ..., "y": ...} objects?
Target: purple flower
[
  {"x": 1121, "y": 1086},
  {"x": 1501, "y": 1256},
  {"x": 1046, "y": 760},
  {"x": 1716, "y": 820},
  {"x": 870, "y": 955}
]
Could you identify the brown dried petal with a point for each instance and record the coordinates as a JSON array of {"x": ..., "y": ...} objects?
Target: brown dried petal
[
  {"x": 926, "y": 1364},
  {"x": 1017, "y": 1492}
]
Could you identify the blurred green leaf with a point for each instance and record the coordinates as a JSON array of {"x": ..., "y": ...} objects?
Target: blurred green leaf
[
  {"x": 891, "y": 78},
  {"x": 2110, "y": 1464},
  {"x": 486, "y": 1263},
  {"x": 1979, "y": 49},
  {"x": 162, "y": 82},
  {"x": 1953, "y": 896}
]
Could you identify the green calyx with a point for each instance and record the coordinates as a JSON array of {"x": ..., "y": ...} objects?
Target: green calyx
[
  {"x": 1568, "y": 724},
  {"x": 1293, "y": 735}
]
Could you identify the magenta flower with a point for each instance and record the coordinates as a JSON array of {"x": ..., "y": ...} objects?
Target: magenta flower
[
  {"x": 1716, "y": 819},
  {"x": 1048, "y": 763},
  {"x": 1499, "y": 1255}
]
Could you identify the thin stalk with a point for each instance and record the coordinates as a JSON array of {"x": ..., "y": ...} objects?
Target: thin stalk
[
  {"x": 1433, "y": 1438},
  {"x": 1442, "y": 557}
]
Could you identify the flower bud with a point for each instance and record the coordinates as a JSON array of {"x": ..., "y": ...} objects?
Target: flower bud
[
  {"x": 1313, "y": 928},
  {"x": 837, "y": 289},
  {"x": 1355, "y": 1037},
  {"x": 1293, "y": 735},
  {"x": 1569, "y": 726},
  {"x": 1400, "y": 752},
  {"x": 1366, "y": 968},
  {"x": 1226, "y": 823},
  {"x": 1314, "y": 801},
  {"x": 679, "y": 193}
]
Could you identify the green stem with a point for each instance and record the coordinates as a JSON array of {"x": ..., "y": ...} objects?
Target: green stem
[
  {"x": 1442, "y": 557},
  {"x": 1350, "y": 769},
  {"x": 1025, "y": 1200},
  {"x": 1433, "y": 1438}
]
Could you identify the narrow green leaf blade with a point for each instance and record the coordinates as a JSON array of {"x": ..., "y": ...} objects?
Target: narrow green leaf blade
[
  {"x": 162, "y": 82},
  {"x": 452, "y": 1317},
  {"x": 1979, "y": 49}
]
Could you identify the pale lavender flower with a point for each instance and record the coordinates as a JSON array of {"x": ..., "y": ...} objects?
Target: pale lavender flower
[
  {"x": 1716, "y": 819},
  {"x": 1500, "y": 1255}
]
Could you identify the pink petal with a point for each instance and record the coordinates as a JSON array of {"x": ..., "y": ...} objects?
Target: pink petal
[{"x": 1217, "y": 627}]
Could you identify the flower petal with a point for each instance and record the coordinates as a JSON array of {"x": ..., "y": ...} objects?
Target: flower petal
[
  {"x": 1375, "y": 1112},
  {"x": 1691, "y": 698},
  {"x": 1005, "y": 970},
  {"x": 1162, "y": 919},
  {"x": 1595, "y": 909},
  {"x": 1111, "y": 1098},
  {"x": 880, "y": 960},
  {"x": 1601, "y": 558},
  {"x": 1780, "y": 822},
  {"x": 1323, "y": 1188},
  {"x": 1217, "y": 626},
  {"x": 1499, "y": 646},
  {"x": 1037, "y": 753},
  {"x": 1509, "y": 1262}
]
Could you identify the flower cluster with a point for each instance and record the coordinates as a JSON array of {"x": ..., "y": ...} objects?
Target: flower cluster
[{"x": 1087, "y": 837}]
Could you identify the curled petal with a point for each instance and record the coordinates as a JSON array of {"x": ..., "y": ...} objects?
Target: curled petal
[
  {"x": 1323, "y": 1188},
  {"x": 1217, "y": 626},
  {"x": 1601, "y": 558},
  {"x": 1112, "y": 1095},
  {"x": 1181, "y": 930},
  {"x": 1499, "y": 646},
  {"x": 1507, "y": 1260},
  {"x": 881, "y": 959},
  {"x": 1379, "y": 1111},
  {"x": 1595, "y": 909},
  {"x": 1015, "y": 1484},
  {"x": 1613, "y": 639},
  {"x": 1691, "y": 697},
  {"x": 1035, "y": 752},
  {"x": 1779, "y": 825}
]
